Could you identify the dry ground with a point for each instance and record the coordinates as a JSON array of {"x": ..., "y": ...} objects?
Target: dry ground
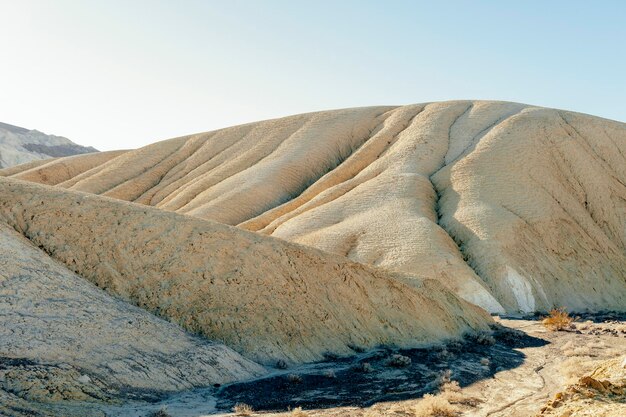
[{"x": 540, "y": 364}]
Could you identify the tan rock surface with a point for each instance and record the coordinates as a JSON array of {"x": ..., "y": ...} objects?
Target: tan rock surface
[
  {"x": 264, "y": 297},
  {"x": 514, "y": 207},
  {"x": 61, "y": 338},
  {"x": 601, "y": 393},
  {"x": 59, "y": 170}
]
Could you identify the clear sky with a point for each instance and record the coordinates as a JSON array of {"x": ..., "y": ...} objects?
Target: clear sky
[{"x": 121, "y": 74}]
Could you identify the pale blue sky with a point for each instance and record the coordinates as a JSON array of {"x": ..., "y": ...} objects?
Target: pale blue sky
[{"x": 119, "y": 74}]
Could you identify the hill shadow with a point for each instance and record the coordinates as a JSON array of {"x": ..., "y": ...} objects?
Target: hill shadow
[{"x": 371, "y": 377}]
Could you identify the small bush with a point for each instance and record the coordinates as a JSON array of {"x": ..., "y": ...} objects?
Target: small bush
[
  {"x": 298, "y": 412},
  {"x": 445, "y": 377},
  {"x": 330, "y": 374},
  {"x": 558, "y": 320},
  {"x": 435, "y": 406},
  {"x": 281, "y": 364},
  {"x": 294, "y": 379},
  {"x": 443, "y": 355},
  {"x": 399, "y": 361},
  {"x": 242, "y": 409},
  {"x": 485, "y": 338}
]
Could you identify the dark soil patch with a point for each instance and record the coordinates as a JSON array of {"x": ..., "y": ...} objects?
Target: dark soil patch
[{"x": 369, "y": 378}]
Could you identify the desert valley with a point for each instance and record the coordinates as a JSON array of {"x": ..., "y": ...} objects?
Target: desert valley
[{"x": 373, "y": 261}]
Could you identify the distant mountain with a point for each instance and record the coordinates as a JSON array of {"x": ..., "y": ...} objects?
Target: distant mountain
[{"x": 19, "y": 145}]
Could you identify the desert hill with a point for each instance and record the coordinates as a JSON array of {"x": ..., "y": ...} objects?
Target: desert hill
[
  {"x": 232, "y": 301},
  {"x": 266, "y": 298},
  {"x": 61, "y": 338},
  {"x": 19, "y": 145},
  {"x": 515, "y": 208}
]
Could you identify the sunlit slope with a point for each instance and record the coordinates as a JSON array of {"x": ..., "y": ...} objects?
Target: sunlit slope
[
  {"x": 514, "y": 207},
  {"x": 61, "y": 338},
  {"x": 266, "y": 298}
]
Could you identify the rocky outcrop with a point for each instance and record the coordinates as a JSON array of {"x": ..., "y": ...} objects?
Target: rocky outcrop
[{"x": 515, "y": 208}]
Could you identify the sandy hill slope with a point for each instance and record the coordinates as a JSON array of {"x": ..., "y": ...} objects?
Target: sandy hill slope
[
  {"x": 62, "y": 338},
  {"x": 265, "y": 298},
  {"x": 514, "y": 207},
  {"x": 19, "y": 145}
]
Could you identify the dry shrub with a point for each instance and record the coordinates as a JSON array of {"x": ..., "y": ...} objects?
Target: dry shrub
[
  {"x": 446, "y": 402},
  {"x": 450, "y": 386},
  {"x": 298, "y": 412},
  {"x": 294, "y": 378},
  {"x": 451, "y": 392},
  {"x": 399, "y": 361},
  {"x": 330, "y": 374},
  {"x": 482, "y": 338},
  {"x": 443, "y": 378},
  {"x": 558, "y": 320},
  {"x": 435, "y": 406},
  {"x": 574, "y": 368},
  {"x": 443, "y": 355},
  {"x": 242, "y": 409}
]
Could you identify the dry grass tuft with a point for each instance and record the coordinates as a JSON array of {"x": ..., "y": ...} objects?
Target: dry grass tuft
[
  {"x": 435, "y": 406},
  {"x": 446, "y": 403},
  {"x": 242, "y": 409},
  {"x": 298, "y": 412},
  {"x": 558, "y": 320},
  {"x": 451, "y": 392},
  {"x": 575, "y": 367},
  {"x": 445, "y": 377}
]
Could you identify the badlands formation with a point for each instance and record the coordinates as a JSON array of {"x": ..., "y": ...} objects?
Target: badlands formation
[
  {"x": 515, "y": 208},
  {"x": 235, "y": 303},
  {"x": 222, "y": 257}
]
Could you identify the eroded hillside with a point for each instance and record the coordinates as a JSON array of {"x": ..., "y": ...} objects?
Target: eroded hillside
[
  {"x": 268, "y": 299},
  {"x": 515, "y": 208}
]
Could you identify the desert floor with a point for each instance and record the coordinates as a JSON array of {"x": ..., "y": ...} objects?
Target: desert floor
[{"x": 520, "y": 372}]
